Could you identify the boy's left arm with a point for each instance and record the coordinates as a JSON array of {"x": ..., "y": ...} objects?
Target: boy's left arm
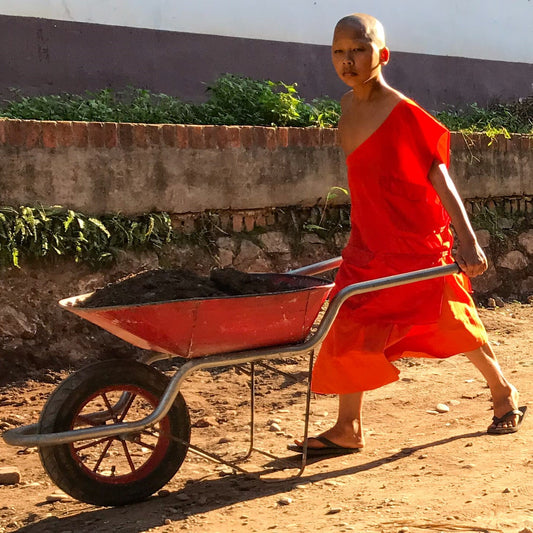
[{"x": 470, "y": 257}]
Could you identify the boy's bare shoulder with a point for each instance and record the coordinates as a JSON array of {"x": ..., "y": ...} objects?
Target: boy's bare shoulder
[
  {"x": 346, "y": 99},
  {"x": 391, "y": 97}
]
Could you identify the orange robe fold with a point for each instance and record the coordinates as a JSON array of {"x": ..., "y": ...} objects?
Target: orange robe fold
[{"x": 398, "y": 225}]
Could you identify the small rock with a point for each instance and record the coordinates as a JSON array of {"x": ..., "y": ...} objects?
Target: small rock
[
  {"x": 163, "y": 493},
  {"x": 275, "y": 427},
  {"x": 205, "y": 422},
  {"x": 403, "y": 530},
  {"x": 491, "y": 303},
  {"x": 526, "y": 530},
  {"x": 499, "y": 301},
  {"x": 183, "y": 497},
  {"x": 9, "y": 475},
  {"x": 14, "y": 420},
  {"x": 514, "y": 260},
  {"x": 334, "y": 510},
  {"x": 224, "y": 440},
  {"x": 226, "y": 471},
  {"x": 285, "y": 500},
  {"x": 274, "y": 421},
  {"x": 442, "y": 408},
  {"x": 168, "y": 521},
  {"x": 58, "y": 496},
  {"x": 454, "y": 402},
  {"x": 470, "y": 395},
  {"x": 506, "y": 490},
  {"x": 31, "y": 484}
]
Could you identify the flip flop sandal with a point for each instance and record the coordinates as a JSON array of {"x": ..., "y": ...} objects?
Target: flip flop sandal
[
  {"x": 329, "y": 448},
  {"x": 520, "y": 412}
]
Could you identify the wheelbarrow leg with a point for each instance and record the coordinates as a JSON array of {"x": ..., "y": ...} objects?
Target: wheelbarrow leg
[
  {"x": 307, "y": 413},
  {"x": 303, "y": 462},
  {"x": 234, "y": 464}
]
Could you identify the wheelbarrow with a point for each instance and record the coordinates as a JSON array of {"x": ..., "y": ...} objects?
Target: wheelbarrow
[{"x": 117, "y": 431}]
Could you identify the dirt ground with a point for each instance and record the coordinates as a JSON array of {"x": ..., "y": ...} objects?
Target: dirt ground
[{"x": 420, "y": 471}]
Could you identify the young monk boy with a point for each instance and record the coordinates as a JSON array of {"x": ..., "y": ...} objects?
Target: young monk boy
[{"x": 403, "y": 201}]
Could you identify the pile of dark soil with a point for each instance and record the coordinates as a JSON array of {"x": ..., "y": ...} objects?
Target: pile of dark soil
[{"x": 165, "y": 285}]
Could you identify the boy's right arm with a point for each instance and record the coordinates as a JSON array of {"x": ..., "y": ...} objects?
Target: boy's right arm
[{"x": 469, "y": 256}]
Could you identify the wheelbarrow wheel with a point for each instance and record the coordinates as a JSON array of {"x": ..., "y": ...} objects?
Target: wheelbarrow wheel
[{"x": 120, "y": 469}]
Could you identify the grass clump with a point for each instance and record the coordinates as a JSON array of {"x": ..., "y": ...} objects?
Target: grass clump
[{"x": 497, "y": 118}]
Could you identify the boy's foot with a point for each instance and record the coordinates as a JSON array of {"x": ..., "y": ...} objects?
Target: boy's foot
[
  {"x": 508, "y": 423},
  {"x": 507, "y": 415},
  {"x": 334, "y": 437},
  {"x": 328, "y": 448}
]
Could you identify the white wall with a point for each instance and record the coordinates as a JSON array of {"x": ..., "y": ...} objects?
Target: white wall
[{"x": 482, "y": 29}]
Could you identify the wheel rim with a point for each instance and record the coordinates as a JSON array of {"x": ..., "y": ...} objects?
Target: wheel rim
[{"x": 120, "y": 459}]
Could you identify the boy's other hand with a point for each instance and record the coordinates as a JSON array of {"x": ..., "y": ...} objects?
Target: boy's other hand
[{"x": 471, "y": 259}]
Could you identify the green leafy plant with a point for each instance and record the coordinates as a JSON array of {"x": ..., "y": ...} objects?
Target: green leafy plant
[
  {"x": 232, "y": 100},
  {"x": 33, "y": 232},
  {"x": 245, "y": 101},
  {"x": 239, "y": 100},
  {"x": 130, "y": 105}
]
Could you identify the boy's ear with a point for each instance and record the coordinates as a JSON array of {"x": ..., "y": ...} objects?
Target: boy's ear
[{"x": 384, "y": 55}]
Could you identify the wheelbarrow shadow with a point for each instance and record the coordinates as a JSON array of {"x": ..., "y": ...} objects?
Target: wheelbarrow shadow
[{"x": 206, "y": 494}]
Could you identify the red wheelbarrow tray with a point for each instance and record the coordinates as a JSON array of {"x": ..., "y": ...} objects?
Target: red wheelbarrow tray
[{"x": 198, "y": 327}]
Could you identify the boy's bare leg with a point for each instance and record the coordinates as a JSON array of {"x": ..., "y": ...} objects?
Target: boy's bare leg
[
  {"x": 348, "y": 429},
  {"x": 504, "y": 395}
]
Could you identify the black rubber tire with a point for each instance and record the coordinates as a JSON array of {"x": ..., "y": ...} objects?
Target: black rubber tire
[{"x": 65, "y": 464}]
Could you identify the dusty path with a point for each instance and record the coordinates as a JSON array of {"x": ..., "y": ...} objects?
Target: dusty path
[{"x": 420, "y": 471}]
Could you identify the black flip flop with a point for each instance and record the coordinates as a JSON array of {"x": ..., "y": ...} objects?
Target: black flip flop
[
  {"x": 520, "y": 412},
  {"x": 329, "y": 448}
]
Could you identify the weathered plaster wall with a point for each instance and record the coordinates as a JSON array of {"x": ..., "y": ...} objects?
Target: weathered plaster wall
[
  {"x": 134, "y": 168},
  {"x": 52, "y": 46}
]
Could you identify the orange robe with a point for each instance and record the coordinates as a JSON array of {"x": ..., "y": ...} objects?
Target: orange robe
[{"x": 398, "y": 224}]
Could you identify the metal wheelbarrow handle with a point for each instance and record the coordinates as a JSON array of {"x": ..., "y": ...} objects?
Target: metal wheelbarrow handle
[{"x": 374, "y": 285}]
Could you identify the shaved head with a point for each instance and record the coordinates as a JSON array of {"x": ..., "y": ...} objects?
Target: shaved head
[{"x": 370, "y": 27}]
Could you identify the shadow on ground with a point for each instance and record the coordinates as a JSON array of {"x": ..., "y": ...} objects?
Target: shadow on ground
[{"x": 205, "y": 495}]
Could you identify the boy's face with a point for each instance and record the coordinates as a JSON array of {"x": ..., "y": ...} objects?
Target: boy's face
[{"x": 356, "y": 59}]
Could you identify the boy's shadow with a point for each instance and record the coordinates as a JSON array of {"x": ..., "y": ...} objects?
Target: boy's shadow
[{"x": 204, "y": 495}]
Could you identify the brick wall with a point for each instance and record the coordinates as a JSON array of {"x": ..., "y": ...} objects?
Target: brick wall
[{"x": 64, "y": 134}]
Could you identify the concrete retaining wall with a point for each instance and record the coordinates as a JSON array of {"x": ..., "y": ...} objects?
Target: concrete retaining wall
[{"x": 134, "y": 168}]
